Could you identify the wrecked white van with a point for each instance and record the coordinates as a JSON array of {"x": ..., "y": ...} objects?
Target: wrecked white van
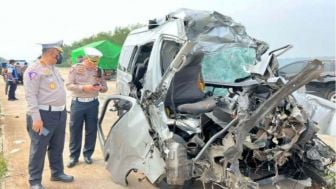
[{"x": 195, "y": 103}]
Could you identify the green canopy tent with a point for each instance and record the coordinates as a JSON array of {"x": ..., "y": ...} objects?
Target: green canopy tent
[{"x": 110, "y": 51}]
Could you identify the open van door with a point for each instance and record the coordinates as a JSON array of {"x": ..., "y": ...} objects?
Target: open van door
[{"x": 123, "y": 132}]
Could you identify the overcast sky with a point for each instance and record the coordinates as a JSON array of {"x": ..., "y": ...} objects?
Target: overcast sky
[{"x": 309, "y": 25}]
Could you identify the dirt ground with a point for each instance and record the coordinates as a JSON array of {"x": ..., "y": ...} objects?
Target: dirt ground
[{"x": 16, "y": 144}]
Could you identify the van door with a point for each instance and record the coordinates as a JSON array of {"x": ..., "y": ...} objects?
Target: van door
[
  {"x": 124, "y": 135},
  {"x": 139, "y": 68},
  {"x": 153, "y": 99},
  {"x": 165, "y": 49},
  {"x": 130, "y": 76},
  {"x": 169, "y": 56},
  {"x": 124, "y": 76}
]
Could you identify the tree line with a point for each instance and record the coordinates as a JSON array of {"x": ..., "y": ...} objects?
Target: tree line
[{"x": 117, "y": 36}]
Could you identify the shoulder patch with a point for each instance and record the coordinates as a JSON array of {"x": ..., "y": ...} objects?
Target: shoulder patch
[{"x": 32, "y": 75}]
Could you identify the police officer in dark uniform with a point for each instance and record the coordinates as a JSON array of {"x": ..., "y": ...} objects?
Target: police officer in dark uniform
[
  {"x": 46, "y": 117},
  {"x": 85, "y": 82}
]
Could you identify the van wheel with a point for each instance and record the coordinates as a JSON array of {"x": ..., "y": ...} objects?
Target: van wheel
[{"x": 331, "y": 95}]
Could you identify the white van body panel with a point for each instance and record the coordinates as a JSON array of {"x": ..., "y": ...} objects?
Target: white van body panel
[{"x": 174, "y": 28}]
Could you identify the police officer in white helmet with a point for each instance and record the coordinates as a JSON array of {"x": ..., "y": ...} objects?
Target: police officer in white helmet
[
  {"x": 46, "y": 117},
  {"x": 85, "y": 81}
]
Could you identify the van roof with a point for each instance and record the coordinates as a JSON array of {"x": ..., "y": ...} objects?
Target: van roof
[
  {"x": 144, "y": 35},
  {"x": 139, "y": 30}
]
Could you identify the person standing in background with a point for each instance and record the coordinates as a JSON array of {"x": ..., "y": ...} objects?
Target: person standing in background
[
  {"x": 1, "y": 69},
  {"x": 12, "y": 80},
  {"x": 5, "y": 76},
  {"x": 18, "y": 69}
]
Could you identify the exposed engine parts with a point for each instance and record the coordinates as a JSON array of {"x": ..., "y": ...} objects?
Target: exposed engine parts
[{"x": 282, "y": 141}]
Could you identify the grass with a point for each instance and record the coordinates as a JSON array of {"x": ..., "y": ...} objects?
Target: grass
[{"x": 3, "y": 165}]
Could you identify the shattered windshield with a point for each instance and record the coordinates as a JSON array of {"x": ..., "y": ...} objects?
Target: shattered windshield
[
  {"x": 227, "y": 64},
  {"x": 227, "y": 46}
]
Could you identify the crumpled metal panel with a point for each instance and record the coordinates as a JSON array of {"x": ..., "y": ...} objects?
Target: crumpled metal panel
[
  {"x": 129, "y": 146},
  {"x": 320, "y": 111},
  {"x": 211, "y": 28}
]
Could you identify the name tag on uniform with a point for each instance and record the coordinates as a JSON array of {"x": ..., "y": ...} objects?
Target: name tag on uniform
[{"x": 52, "y": 85}]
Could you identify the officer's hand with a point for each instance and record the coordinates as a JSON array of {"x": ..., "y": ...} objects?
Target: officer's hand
[
  {"x": 97, "y": 88},
  {"x": 88, "y": 88},
  {"x": 38, "y": 126}
]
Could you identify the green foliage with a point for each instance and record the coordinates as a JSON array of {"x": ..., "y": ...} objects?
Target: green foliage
[
  {"x": 117, "y": 36},
  {"x": 3, "y": 166}
]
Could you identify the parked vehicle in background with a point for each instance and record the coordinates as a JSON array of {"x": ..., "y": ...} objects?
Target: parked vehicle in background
[
  {"x": 21, "y": 62},
  {"x": 20, "y": 66},
  {"x": 323, "y": 87}
]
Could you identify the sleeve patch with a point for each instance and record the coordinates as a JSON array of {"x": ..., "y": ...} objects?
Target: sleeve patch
[{"x": 32, "y": 75}]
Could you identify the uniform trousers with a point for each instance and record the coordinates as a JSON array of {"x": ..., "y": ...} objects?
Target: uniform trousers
[
  {"x": 53, "y": 142},
  {"x": 83, "y": 112},
  {"x": 12, "y": 88}
]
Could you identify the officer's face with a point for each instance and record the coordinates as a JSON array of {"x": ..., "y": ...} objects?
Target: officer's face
[
  {"x": 54, "y": 54},
  {"x": 90, "y": 64}
]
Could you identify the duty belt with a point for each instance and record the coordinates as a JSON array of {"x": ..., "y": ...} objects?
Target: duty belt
[
  {"x": 52, "y": 108},
  {"x": 84, "y": 99}
]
